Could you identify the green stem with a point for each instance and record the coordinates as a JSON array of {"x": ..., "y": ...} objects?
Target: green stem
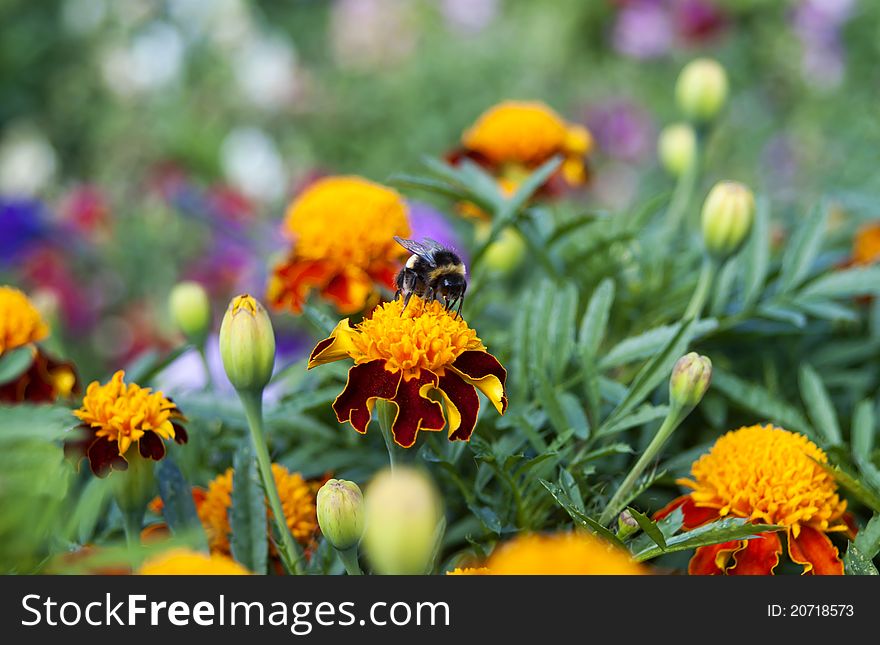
[
  {"x": 386, "y": 413},
  {"x": 684, "y": 193},
  {"x": 701, "y": 292},
  {"x": 621, "y": 497},
  {"x": 209, "y": 379},
  {"x": 349, "y": 559},
  {"x": 133, "y": 522},
  {"x": 289, "y": 550}
]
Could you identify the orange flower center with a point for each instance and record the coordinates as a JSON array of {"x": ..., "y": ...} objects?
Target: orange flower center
[
  {"x": 20, "y": 322},
  {"x": 124, "y": 412},
  {"x": 348, "y": 219},
  {"x": 424, "y": 336},
  {"x": 769, "y": 474}
]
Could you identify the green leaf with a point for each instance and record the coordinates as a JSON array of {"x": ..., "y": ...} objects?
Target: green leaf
[
  {"x": 756, "y": 256},
  {"x": 40, "y": 422},
  {"x": 15, "y": 362},
  {"x": 723, "y": 288},
  {"x": 649, "y": 527},
  {"x": 862, "y": 432},
  {"x": 819, "y": 406},
  {"x": 178, "y": 507},
  {"x": 649, "y": 343},
  {"x": 324, "y": 323},
  {"x": 761, "y": 401},
  {"x": 725, "y": 530},
  {"x": 868, "y": 539},
  {"x": 641, "y": 415},
  {"x": 595, "y": 320},
  {"x": 845, "y": 283},
  {"x": 429, "y": 185},
  {"x": 801, "y": 252},
  {"x": 145, "y": 367},
  {"x": 534, "y": 181},
  {"x": 860, "y": 491},
  {"x": 247, "y": 517},
  {"x": 561, "y": 328},
  {"x": 826, "y": 310},
  {"x": 580, "y": 518},
  {"x": 855, "y": 563}
]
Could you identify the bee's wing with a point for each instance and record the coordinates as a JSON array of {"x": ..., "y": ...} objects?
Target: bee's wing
[
  {"x": 417, "y": 248},
  {"x": 433, "y": 245}
]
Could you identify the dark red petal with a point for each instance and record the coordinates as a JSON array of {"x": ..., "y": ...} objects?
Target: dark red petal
[
  {"x": 694, "y": 515},
  {"x": 180, "y": 435},
  {"x": 150, "y": 446},
  {"x": 78, "y": 442},
  {"x": 366, "y": 382},
  {"x": 463, "y": 396},
  {"x": 759, "y": 558},
  {"x": 478, "y": 366},
  {"x": 104, "y": 456},
  {"x": 415, "y": 412},
  {"x": 320, "y": 347},
  {"x": 706, "y": 558},
  {"x": 814, "y": 550}
]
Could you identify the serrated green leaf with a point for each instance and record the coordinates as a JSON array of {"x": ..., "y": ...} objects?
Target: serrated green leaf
[
  {"x": 532, "y": 183},
  {"x": 715, "y": 533},
  {"x": 819, "y": 405},
  {"x": 761, "y": 401},
  {"x": 15, "y": 362},
  {"x": 756, "y": 255},
  {"x": 802, "y": 250},
  {"x": 27, "y": 421},
  {"x": 595, "y": 320},
  {"x": 580, "y": 518},
  {"x": 649, "y": 527},
  {"x": 247, "y": 516}
]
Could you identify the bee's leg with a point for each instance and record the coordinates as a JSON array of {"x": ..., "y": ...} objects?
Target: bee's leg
[
  {"x": 406, "y": 301},
  {"x": 448, "y": 303},
  {"x": 460, "y": 303}
]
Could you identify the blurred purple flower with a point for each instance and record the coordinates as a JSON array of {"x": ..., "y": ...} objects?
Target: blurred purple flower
[
  {"x": 426, "y": 221},
  {"x": 24, "y": 224},
  {"x": 644, "y": 29},
  {"x": 622, "y": 129},
  {"x": 469, "y": 16},
  {"x": 818, "y": 24}
]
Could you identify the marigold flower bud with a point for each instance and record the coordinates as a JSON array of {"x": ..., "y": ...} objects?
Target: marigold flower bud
[
  {"x": 677, "y": 148},
  {"x": 728, "y": 213},
  {"x": 626, "y": 524},
  {"x": 247, "y": 344},
  {"x": 690, "y": 380},
  {"x": 701, "y": 89},
  {"x": 190, "y": 309},
  {"x": 403, "y": 511},
  {"x": 341, "y": 513}
]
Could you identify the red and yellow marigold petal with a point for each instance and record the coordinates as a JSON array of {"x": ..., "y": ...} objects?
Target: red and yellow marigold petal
[
  {"x": 366, "y": 383},
  {"x": 462, "y": 405},
  {"x": 693, "y": 515},
  {"x": 712, "y": 560},
  {"x": 338, "y": 346},
  {"x": 349, "y": 290},
  {"x": 414, "y": 410},
  {"x": 759, "y": 558},
  {"x": 483, "y": 371},
  {"x": 815, "y": 551},
  {"x": 294, "y": 279}
]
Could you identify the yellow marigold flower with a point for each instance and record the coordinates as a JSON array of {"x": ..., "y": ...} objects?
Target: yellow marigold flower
[
  {"x": 524, "y": 134},
  {"x": 297, "y": 499},
  {"x": 185, "y": 562},
  {"x": 343, "y": 232},
  {"x": 866, "y": 245},
  {"x": 766, "y": 475},
  {"x": 561, "y": 554},
  {"x": 469, "y": 571},
  {"x": 20, "y": 322},
  {"x": 402, "y": 355},
  {"x": 115, "y": 415}
]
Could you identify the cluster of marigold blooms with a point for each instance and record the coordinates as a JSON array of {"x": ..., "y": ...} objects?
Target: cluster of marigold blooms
[{"x": 342, "y": 249}]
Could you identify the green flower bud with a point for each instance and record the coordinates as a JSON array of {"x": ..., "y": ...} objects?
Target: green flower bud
[
  {"x": 341, "y": 513},
  {"x": 677, "y": 148},
  {"x": 689, "y": 381},
  {"x": 701, "y": 89},
  {"x": 728, "y": 213},
  {"x": 191, "y": 310},
  {"x": 247, "y": 344},
  {"x": 626, "y": 524},
  {"x": 506, "y": 252},
  {"x": 403, "y": 513}
]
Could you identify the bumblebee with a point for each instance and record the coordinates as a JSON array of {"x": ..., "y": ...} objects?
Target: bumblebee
[{"x": 432, "y": 272}]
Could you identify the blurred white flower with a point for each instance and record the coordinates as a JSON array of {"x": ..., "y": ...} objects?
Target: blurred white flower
[
  {"x": 27, "y": 161},
  {"x": 469, "y": 16},
  {"x": 266, "y": 71},
  {"x": 226, "y": 23},
  {"x": 252, "y": 163},
  {"x": 368, "y": 34},
  {"x": 152, "y": 61},
  {"x": 82, "y": 17}
]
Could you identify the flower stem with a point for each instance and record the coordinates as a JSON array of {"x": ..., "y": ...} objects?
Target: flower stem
[
  {"x": 209, "y": 380},
  {"x": 132, "y": 522},
  {"x": 386, "y": 413},
  {"x": 349, "y": 559},
  {"x": 290, "y": 553},
  {"x": 701, "y": 292},
  {"x": 684, "y": 193},
  {"x": 621, "y": 497}
]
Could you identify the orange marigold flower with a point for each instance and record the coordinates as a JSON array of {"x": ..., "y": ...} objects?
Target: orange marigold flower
[
  {"x": 866, "y": 245},
  {"x": 766, "y": 475},
  {"x": 561, "y": 554},
  {"x": 515, "y": 137},
  {"x": 403, "y": 355},
  {"x": 43, "y": 379},
  {"x": 115, "y": 415},
  {"x": 297, "y": 499},
  {"x": 343, "y": 232},
  {"x": 469, "y": 571},
  {"x": 185, "y": 562}
]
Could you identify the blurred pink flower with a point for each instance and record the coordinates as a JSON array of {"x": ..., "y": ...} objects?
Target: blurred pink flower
[
  {"x": 370, "y": 34},
  {"x": 622, "y": 129}
]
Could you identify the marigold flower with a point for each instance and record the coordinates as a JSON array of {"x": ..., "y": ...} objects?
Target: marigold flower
[
  {"x": 561, "y": 554},
  {"x": 402, "y": 356},
  {"x": 297, "y": 499},
  {"x": 517, "y": 136},
  {"x": 115, "y": 415},
  {"x": 766, "y": 475},
  {"x": 866, "y": 245},
  {"x": 22, "y": 326},
  {"x": 469, "y": 571},
  {"x": 343, "y": 231},
  {"x": 186, "y": 562}
]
